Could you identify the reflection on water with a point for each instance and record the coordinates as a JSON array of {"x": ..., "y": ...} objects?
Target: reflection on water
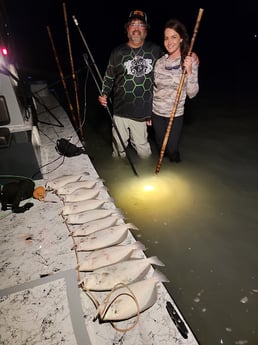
[
  {"x": 200, "y": 218},
  {"x": 151, "y": 197}
]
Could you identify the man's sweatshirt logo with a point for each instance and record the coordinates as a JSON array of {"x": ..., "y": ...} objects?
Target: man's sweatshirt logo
[{"x": 138, "y": 66}]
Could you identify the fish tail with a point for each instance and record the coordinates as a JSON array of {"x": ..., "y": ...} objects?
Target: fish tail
[
  {"x": 132, "y": 226},
  {"x": 139, "y": 246},
  {"x": 107, "y": 200},
  {"x": 118, "y": 212},
  {"x": 159, "y": 276},
  {"x": 103, "y": 188},
  {"x": 154, "y": 260}
]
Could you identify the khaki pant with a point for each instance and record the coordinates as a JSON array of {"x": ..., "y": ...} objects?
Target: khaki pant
[{"x": 133, "y": 131}]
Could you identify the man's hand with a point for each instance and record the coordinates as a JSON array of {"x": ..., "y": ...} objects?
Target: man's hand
[{"x": 103, "y": 100}]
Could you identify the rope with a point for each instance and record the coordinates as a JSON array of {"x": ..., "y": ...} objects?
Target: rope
[{"x": 108, "y": 304}]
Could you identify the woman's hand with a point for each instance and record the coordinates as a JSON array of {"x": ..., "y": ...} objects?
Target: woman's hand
[{"x": 188, "y": 65}]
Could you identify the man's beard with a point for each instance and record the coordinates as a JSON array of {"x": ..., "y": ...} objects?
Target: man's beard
[{"x": 137, "y": 38}]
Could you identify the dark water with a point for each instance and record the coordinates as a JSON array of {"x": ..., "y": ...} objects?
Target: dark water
[{"x": 201, "y": 217}]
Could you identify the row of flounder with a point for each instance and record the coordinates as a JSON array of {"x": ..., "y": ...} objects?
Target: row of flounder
[{"x": 108, "y": 260}]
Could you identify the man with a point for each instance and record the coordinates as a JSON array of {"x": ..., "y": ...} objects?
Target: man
[{"x": 129, "y": 77}]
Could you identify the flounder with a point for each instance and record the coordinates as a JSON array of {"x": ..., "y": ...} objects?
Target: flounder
[
  {"x": 73, "y": 186},
  {"x": 108, "y": 256},
  {"x": 124, "y": 302},
  {"x": 124, "y": 272},
  {"x": 102, "y": 239},
  {"x": 83, "y": 194},
  {"x": 62, "y": 180},
  {"x": 95, "y": 225},
  {"x": 90, "y": 215},
  {"x": 84, "y": 205}
]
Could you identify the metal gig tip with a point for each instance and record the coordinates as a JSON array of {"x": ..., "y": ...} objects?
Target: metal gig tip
[{"x": 75, "y": 21}]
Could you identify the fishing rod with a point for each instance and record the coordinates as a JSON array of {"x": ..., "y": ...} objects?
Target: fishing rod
[
  {"x": 62, "y": 76},
  {"x": 73, "y": 73},
  {"x": 99, "y": 89},
  {"x": 110, "y": 115},
  {"x": 166, "y": 137},
  {"x": 88, "y": 49}
]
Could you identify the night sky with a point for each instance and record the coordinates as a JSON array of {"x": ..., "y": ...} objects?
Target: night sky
[{"x": 226, "y": 41}]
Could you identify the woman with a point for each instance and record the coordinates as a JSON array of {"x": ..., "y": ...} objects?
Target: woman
[{"x": 167, "y": 75}]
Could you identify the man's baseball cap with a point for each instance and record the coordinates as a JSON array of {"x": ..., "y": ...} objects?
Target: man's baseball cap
[{"x": 138, "y": 14}]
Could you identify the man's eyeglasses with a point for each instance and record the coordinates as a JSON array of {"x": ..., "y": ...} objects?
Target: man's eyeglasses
[{"x": 141, "y": 25}]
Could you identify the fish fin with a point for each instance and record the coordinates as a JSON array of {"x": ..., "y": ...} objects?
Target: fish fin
[
  {"x": 119, "y": 212},
  {"x": 159, "y": 276},
  {"x": 139, "y": 246},
  {"x": 156, "y": 261},
  {"x": 132, "y": 226},
  {"x": 103, "y": 188}
]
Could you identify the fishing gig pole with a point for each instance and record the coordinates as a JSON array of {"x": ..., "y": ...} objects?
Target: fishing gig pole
[
  {"x": 166, "y": 137},
  {"x": 99, "y": 89},
  {"x": 73, "y": 73},
  {"x": 62, "y": 76}
]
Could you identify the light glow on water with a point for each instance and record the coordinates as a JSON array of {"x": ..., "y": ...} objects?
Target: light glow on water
[
  {"x": 148, "y": 188},
  {"x": 154, "y": 198}
]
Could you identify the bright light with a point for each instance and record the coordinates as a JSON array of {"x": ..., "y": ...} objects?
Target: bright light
[
  {"x": 155, "y": 198},
  {"x": 148, "y": 188},
  {"x": 4, "y": 51}
]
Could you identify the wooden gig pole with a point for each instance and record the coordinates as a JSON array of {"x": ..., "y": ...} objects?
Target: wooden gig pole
[
  {"x": 62, "y": 76},
  {"x": 73, "y": 73},
  {"x": 166, "y": 137}
]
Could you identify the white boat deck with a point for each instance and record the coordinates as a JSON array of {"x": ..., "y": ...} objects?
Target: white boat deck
[{"x": 41, "y": 302}]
